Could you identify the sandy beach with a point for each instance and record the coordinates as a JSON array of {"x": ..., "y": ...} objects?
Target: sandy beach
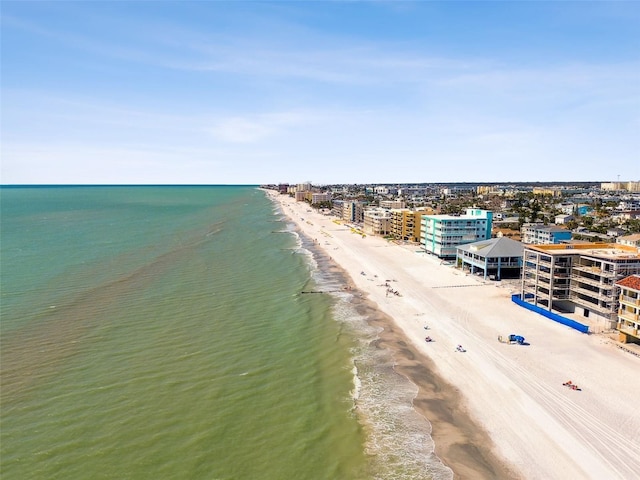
[{"x": 497, "y": 410}]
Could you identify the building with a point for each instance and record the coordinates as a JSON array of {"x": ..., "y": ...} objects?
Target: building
[
  {"x": 629, "y": 310},
  {"x": 488, "y": 190},
  {"x": 553, "y": 192},
  {"x": 540, "y": 234},
  {"x": 352, "y": 211},
  {"x": 615, "y": 232},
  {"x": 630, "y": 240},
  {"x": 405, "y": 224},
  {"x": 442, "y": 234},
  {"x": 381, "y": 190},
  {"x": 566, "y": 208},
  {"x": 392, "y": 204},
  {"x": 563, "y": 218},
  {"x": 320, "y": 197},
  {"x": 578, "y": 278},
  {"x": 628, "y": 186},
  {"x": 377, "y": 221},
  {"x": 496, "y": 258}
]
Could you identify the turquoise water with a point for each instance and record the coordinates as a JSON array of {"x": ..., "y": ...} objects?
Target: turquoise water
[{"x": 159, "y": 332}]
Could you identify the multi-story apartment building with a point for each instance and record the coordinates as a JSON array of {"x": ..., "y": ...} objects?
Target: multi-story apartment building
[
  {"x": 377, "y": 221},
  {"x": 320, "y": 197},
  {"x": 352, "y": 211},
  {"x": 406, "y": 225},
  {"x": 553, "y": 191},
  {"x": 392, "y": 204},
  {"x": 578, "y": 278},
  {"x": 488, "y": 189},
  {"x": 441, "y": 234},
  {"x": 402, "y": 224},
  {"x": 629, "y": 309},
  {"x": 540, "y": 234},
  {"x": 628, "y": 186}
]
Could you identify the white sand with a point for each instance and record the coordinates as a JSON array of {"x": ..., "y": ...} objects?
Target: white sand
[{"x": 541, "y": 428}]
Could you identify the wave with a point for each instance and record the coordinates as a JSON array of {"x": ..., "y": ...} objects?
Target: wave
[{"x": 398, "y": 443}]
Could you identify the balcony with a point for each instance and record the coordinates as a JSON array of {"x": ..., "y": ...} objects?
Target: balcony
[
  {"x": 629, "y": 300},
  {"x": 626, "y": 315},
  {"x": 594, "y": 270},
  {"x": 634, "y": 332},
  {"x": 591, "y": 293},
  {"x": 598, "y": 283},
  {"x": 503, "y": 264}
]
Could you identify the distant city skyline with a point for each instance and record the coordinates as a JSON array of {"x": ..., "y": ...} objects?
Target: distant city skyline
[{"x": 327, "y": 92}]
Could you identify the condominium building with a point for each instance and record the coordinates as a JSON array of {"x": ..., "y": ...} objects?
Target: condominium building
[
  {"x": 628, "y": 186},
  {"x": 377, "y": 221},
  {"x": 578, "y": 278},
  {"x": 392, "y": 204},
  {"x": 441, "y": 234},
  {"x": 553, "y": 191},
  {"x": 351, "y": 211},
  {"x": 540, "y": 234},
  {"x": 320, "y": 197},
  {"x": 629, "y": 310},
  {"x": 403, "y": 224}
]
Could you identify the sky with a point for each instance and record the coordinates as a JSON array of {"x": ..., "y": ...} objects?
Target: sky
[{"x": 254, "y": 92}]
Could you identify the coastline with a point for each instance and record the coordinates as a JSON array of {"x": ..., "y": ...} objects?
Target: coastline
[
  {"x": 496, "y": 411},
  {"x": 460, "y": 443}
]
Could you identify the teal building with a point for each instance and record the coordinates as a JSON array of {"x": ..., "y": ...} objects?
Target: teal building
[{"x": 442, "y": 234}]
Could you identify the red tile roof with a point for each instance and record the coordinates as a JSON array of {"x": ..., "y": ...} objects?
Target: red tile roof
[{"x": 630, "y": 282}]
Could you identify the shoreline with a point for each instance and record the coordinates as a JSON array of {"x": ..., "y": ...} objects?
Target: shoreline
[
  {"x": 523, "y": 423},
  {"x": 459, "y": 442}
]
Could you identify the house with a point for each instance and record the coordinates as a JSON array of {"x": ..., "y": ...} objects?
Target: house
[
  {"x": 562, "y": 219},
  {"x": 498, "y": 258},
  {"x": 631, "y": 240},
  {"x": 615, "y": 232}
]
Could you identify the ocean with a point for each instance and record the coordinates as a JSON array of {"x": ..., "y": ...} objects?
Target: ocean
[{"x": 162, "y": 332}]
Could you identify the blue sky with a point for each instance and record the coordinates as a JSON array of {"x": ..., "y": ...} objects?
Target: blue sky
[{"x": 328, "y": 92}]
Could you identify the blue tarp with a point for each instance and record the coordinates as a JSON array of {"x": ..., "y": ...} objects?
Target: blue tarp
[{"x": 553, "y": 316}]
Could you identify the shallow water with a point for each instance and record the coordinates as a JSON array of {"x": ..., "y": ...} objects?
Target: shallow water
[{"x": 160, "y": 331}]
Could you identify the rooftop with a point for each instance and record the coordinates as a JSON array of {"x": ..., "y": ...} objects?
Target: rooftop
[
  {"x": 610, "y": 251},
  {"x": 495, "y": 247},
  {"x": 630, "y": 282}
]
